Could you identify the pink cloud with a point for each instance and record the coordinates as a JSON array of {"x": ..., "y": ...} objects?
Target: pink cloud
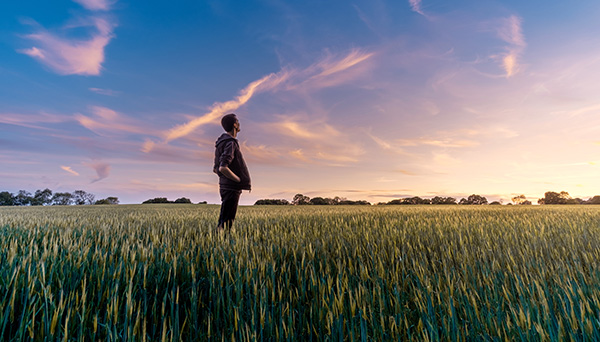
[
  {"x": 107, "y": 92},
  {"x": 69, "y": 170},
  {"x": 102, "y": 170},
  {"x": 333, "y": 70},
  {"x": 415, "y": 5},
  {"x": 72, "y": 56},
  {"x": 511, "y": 32},
  {"x": 220, "y": 108},
  {"x": 323, "y": 73},
  {"x": 33, "y": 120},
  {"x": 105, "y": 121},
  {"x": 95, "y": 5}
]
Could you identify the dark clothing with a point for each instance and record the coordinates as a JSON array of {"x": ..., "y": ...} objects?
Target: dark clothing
[
  {"x": 229, "y": 204},
  {"x": 227, "y": 153}
]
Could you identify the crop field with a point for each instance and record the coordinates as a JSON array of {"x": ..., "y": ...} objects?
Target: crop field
[{"x": 300, "y": 273}]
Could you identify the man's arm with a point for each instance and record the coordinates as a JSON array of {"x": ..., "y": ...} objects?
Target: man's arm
[{"x": 229, "y": 174}]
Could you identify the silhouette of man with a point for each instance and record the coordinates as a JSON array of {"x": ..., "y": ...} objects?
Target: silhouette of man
[{"x": 232, "y": 170}]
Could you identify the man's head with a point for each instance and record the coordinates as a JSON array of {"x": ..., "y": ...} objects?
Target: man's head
[{"x": 230, "y": 123}]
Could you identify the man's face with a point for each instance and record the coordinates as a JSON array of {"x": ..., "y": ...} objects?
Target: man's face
[{"x": 236, "y": 126}]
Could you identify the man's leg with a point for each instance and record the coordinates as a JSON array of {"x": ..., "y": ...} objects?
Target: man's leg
[{"x": 229, "y": 204}]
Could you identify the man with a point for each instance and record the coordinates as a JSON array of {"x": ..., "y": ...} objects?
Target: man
[{"x": 231, "y": 168}]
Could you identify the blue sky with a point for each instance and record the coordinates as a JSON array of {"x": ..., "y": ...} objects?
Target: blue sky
[{"x": 366, "y": 100}]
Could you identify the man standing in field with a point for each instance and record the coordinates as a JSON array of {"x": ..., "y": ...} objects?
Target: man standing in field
[{"x": 231, "y": 168}]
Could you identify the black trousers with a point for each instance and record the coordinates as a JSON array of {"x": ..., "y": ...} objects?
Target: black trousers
[{"x": 229, "y": 205}]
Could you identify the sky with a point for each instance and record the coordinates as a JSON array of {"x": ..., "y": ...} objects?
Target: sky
[{"x": 368, "y": 99}]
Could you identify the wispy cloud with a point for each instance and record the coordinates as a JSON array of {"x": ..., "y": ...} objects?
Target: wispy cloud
[
  {"x": 95, "y": 5},
  {"x": 415, "y": 5},
  {"x": 102, "y": 170},
  {"x": 511, "y": 32},
  {"x": 323, "y": 73},
  {"x": 262, "y": 154},
  {"x": 107, "y": 92},
  {"x": 446, "y": 142},
  {"x": 309, "y": 139},
  {"x": 333, "y": 70},
  {"x": 69, "y": 170},
  {"x": 293, "y": 127},
  {"x": 74, "y": 56},
  {"x": 332, "y": 65},
  {"x": 105, "y": 121},
  {"x": 219, "y": 109},
  {"x": 33, "y": 120}
]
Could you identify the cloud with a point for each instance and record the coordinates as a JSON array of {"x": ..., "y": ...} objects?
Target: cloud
[
  {"x": 33, "y": 120},
  {"x": 262, "y": 154},
  {"x": 510, "y": 31},
  {"x": 69, "y": 170},
  {"x": 102, "y": 170},
  {"x": 312, "y": 140},
  {"x": 107, "y": 122},
  {"x": 332, "y": 70},
  {"x": 332, "y": 65},
  {"x": 323, "y": 73},
  {"x": 443, "y": 142},
  {"x": 415, "y": 5},
  {"x": 95, "y": 5},
  {"x": 219, "y": 109},
  {"x": 68, "y": 56},
  {"x": 107, "y": 92},
  {"x": 380, "y": 142},
  {"x": 293, "y": 127}
]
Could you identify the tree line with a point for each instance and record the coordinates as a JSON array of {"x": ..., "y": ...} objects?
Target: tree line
[
  {"x": 47, "y": 197},
  {"x": 77, "y": 197},
  {"x": 550, "y": 197},
  {"x": 183, "y": 200},
  {"x": 300, "y": 199},
  {"x": 80, "y": 197}
]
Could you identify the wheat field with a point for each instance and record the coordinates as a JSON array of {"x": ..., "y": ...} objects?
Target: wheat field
[{"x": 300, "y": 273}]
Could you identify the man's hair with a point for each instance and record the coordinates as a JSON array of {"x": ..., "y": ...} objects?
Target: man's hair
[{"x": 227, "y": 122}]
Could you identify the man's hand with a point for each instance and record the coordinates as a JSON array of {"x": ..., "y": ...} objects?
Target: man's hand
[{"x": 229, "y": 174}]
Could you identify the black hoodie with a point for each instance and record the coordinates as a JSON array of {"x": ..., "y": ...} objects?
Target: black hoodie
[{"x": 227, "y": 153}]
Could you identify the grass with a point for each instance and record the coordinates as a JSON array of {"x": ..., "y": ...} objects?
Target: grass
[{"x": 160, "y": 272}]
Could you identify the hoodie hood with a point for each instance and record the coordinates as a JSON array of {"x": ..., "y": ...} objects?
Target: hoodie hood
[{"x": 223, "y": 138}]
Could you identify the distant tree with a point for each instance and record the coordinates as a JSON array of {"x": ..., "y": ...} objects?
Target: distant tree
[
  {"x": 6, "y": 198},
  {"x": 443, "y": 200},
  {"x": 23, "y": 198},
  {"x": 300, "y": 199},
  {"x": 271, "y": 202},
  {"x": 519, "y": 199},
  {"x": 42, "y": 197},
  {"x": 62, "y": 198},
  {"x": 474, "y": 200},
  {"x": 81, "y": 197},
  {"x": 112, "y": 200},
  {"x": 415, "y": 200},
  {"x": 319, "y": 201},
  {"x": 108, "y": 200},
  {"x": 157, "y": 200},
  {"x": 183, "y": 200},
  {"x": 575, "y": 201},
  {"x": 552, "y": 197},
  {"x": 203, "y": 202},
  {"x": 394, "y": 202},
  {"x": 350, "y": 202},
  {"x": 526, "y": 202},
  {"x": 593, "y": 200},
  {"x": 336, "y": 200}
]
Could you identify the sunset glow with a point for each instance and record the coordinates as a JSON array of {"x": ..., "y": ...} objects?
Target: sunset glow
[{"x": 364, "y": 100}]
